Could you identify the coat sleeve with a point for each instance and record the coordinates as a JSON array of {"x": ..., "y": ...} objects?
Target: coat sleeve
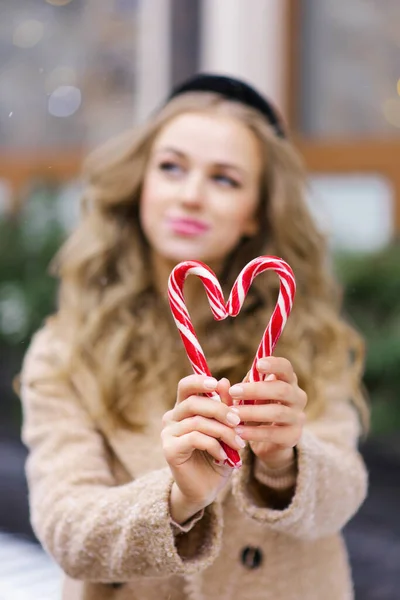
[
  {"x": 95, "y": 529},
  {"x": 330, "y": 483}
]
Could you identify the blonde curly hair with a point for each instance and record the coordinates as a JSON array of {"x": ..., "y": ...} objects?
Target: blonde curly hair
[{"x": 120, "y": 331}]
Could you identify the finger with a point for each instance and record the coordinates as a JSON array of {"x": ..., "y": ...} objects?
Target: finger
[
  {"x": 286, "y": 436},
  {"x": 208, "y": 408},
  {"x": 209, "y": 427},
  {"x": 195, "y": 384},
  {"x": 269, "y": 413},
  {"x": 278, "y": 366},
  {"x": 279, "y": 391},
  {"x": 223, "y": 391},
  {"x": 180, "y": 448},
  {"x": 167, "y": 417}
]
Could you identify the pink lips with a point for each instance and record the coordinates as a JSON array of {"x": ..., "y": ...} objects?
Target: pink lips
[{"x": 186, "y": 226}]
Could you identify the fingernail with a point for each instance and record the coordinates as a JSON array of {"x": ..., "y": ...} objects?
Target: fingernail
[
  {"x": 210, "y": 383},
  {"x": 236, "y": 390},
  {"x": 239, "y": 441},
  {"x": 263, "y": 363},
  {"x": 233, "y": 418},
  {"x": 270, "y": 377},
  {"x": 223, "y": 454},
  {"x": 239, "y": 430}
]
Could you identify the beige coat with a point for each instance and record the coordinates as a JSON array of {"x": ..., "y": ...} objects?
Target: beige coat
[{"x": 99, "y": 505}]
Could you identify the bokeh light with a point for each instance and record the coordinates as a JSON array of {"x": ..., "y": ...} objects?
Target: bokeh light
[
  {"x": 64, "y": 101},
  {"x": 391, "y": 111},
  {"x": 28, "y": 33},
  {"x": 60, "y": 76}
]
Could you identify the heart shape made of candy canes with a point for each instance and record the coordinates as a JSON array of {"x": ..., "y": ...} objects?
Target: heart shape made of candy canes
[{"x": 231, "y": 308}]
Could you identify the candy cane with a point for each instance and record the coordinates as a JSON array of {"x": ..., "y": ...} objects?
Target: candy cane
[{"x": 222, "y": 310}]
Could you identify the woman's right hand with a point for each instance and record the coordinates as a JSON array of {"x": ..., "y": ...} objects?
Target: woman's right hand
[{"x": 190, "y": 438}]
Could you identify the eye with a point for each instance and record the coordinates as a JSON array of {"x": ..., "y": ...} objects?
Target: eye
[
  {"x": 170, "y": 166},
  {"x": 226, "y": 181}
]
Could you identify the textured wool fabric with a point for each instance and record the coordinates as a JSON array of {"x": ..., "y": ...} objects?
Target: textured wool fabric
[{"x": 100, "y": 506}]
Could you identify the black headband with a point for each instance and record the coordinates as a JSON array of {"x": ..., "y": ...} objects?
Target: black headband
[{"x": 233, "y": 89}]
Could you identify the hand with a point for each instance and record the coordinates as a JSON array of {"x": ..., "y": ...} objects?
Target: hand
[
  {"x": 190, "y": 439},
  {"x": 274, "y": 424}
]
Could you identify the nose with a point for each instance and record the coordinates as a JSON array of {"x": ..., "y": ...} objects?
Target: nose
[{"x": 192, "y": 190}]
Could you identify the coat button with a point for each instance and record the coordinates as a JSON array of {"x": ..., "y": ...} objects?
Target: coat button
[{"x": 251, "y": 557}]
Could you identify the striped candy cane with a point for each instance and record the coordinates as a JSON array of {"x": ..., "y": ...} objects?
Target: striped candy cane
[{"x": 222, "y": 310}]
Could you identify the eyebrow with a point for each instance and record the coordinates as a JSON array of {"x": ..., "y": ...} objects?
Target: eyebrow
[{"x": 221, "y": 165}]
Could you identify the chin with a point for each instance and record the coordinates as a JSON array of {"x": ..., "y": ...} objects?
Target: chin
[
  {"x": 179, "y": 253},
  {"x": 176, "y": 252}
]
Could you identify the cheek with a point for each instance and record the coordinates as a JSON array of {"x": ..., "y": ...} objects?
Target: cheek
[
  {"x": 236, "y": 216},
  {"x": 151, "y": 197}
]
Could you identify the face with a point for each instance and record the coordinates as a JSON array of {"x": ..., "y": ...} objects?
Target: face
[{"x": 201, "y": 188}]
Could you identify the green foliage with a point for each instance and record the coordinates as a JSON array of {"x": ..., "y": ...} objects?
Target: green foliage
[
  {"x": 371, "y": 301},
  {"x": 28, "y": 242}
]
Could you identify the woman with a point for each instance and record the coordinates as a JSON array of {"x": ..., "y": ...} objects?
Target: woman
[{"x": 125, "y": 491}]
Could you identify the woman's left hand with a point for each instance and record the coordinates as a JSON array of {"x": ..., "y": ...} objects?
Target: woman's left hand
[{"x": 273, "y": 424}]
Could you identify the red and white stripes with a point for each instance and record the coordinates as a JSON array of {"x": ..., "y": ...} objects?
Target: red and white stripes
[{"x": 222, "y": 310}]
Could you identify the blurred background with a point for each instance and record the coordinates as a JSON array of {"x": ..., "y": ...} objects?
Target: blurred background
[{"x": 75, "y": 72}]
